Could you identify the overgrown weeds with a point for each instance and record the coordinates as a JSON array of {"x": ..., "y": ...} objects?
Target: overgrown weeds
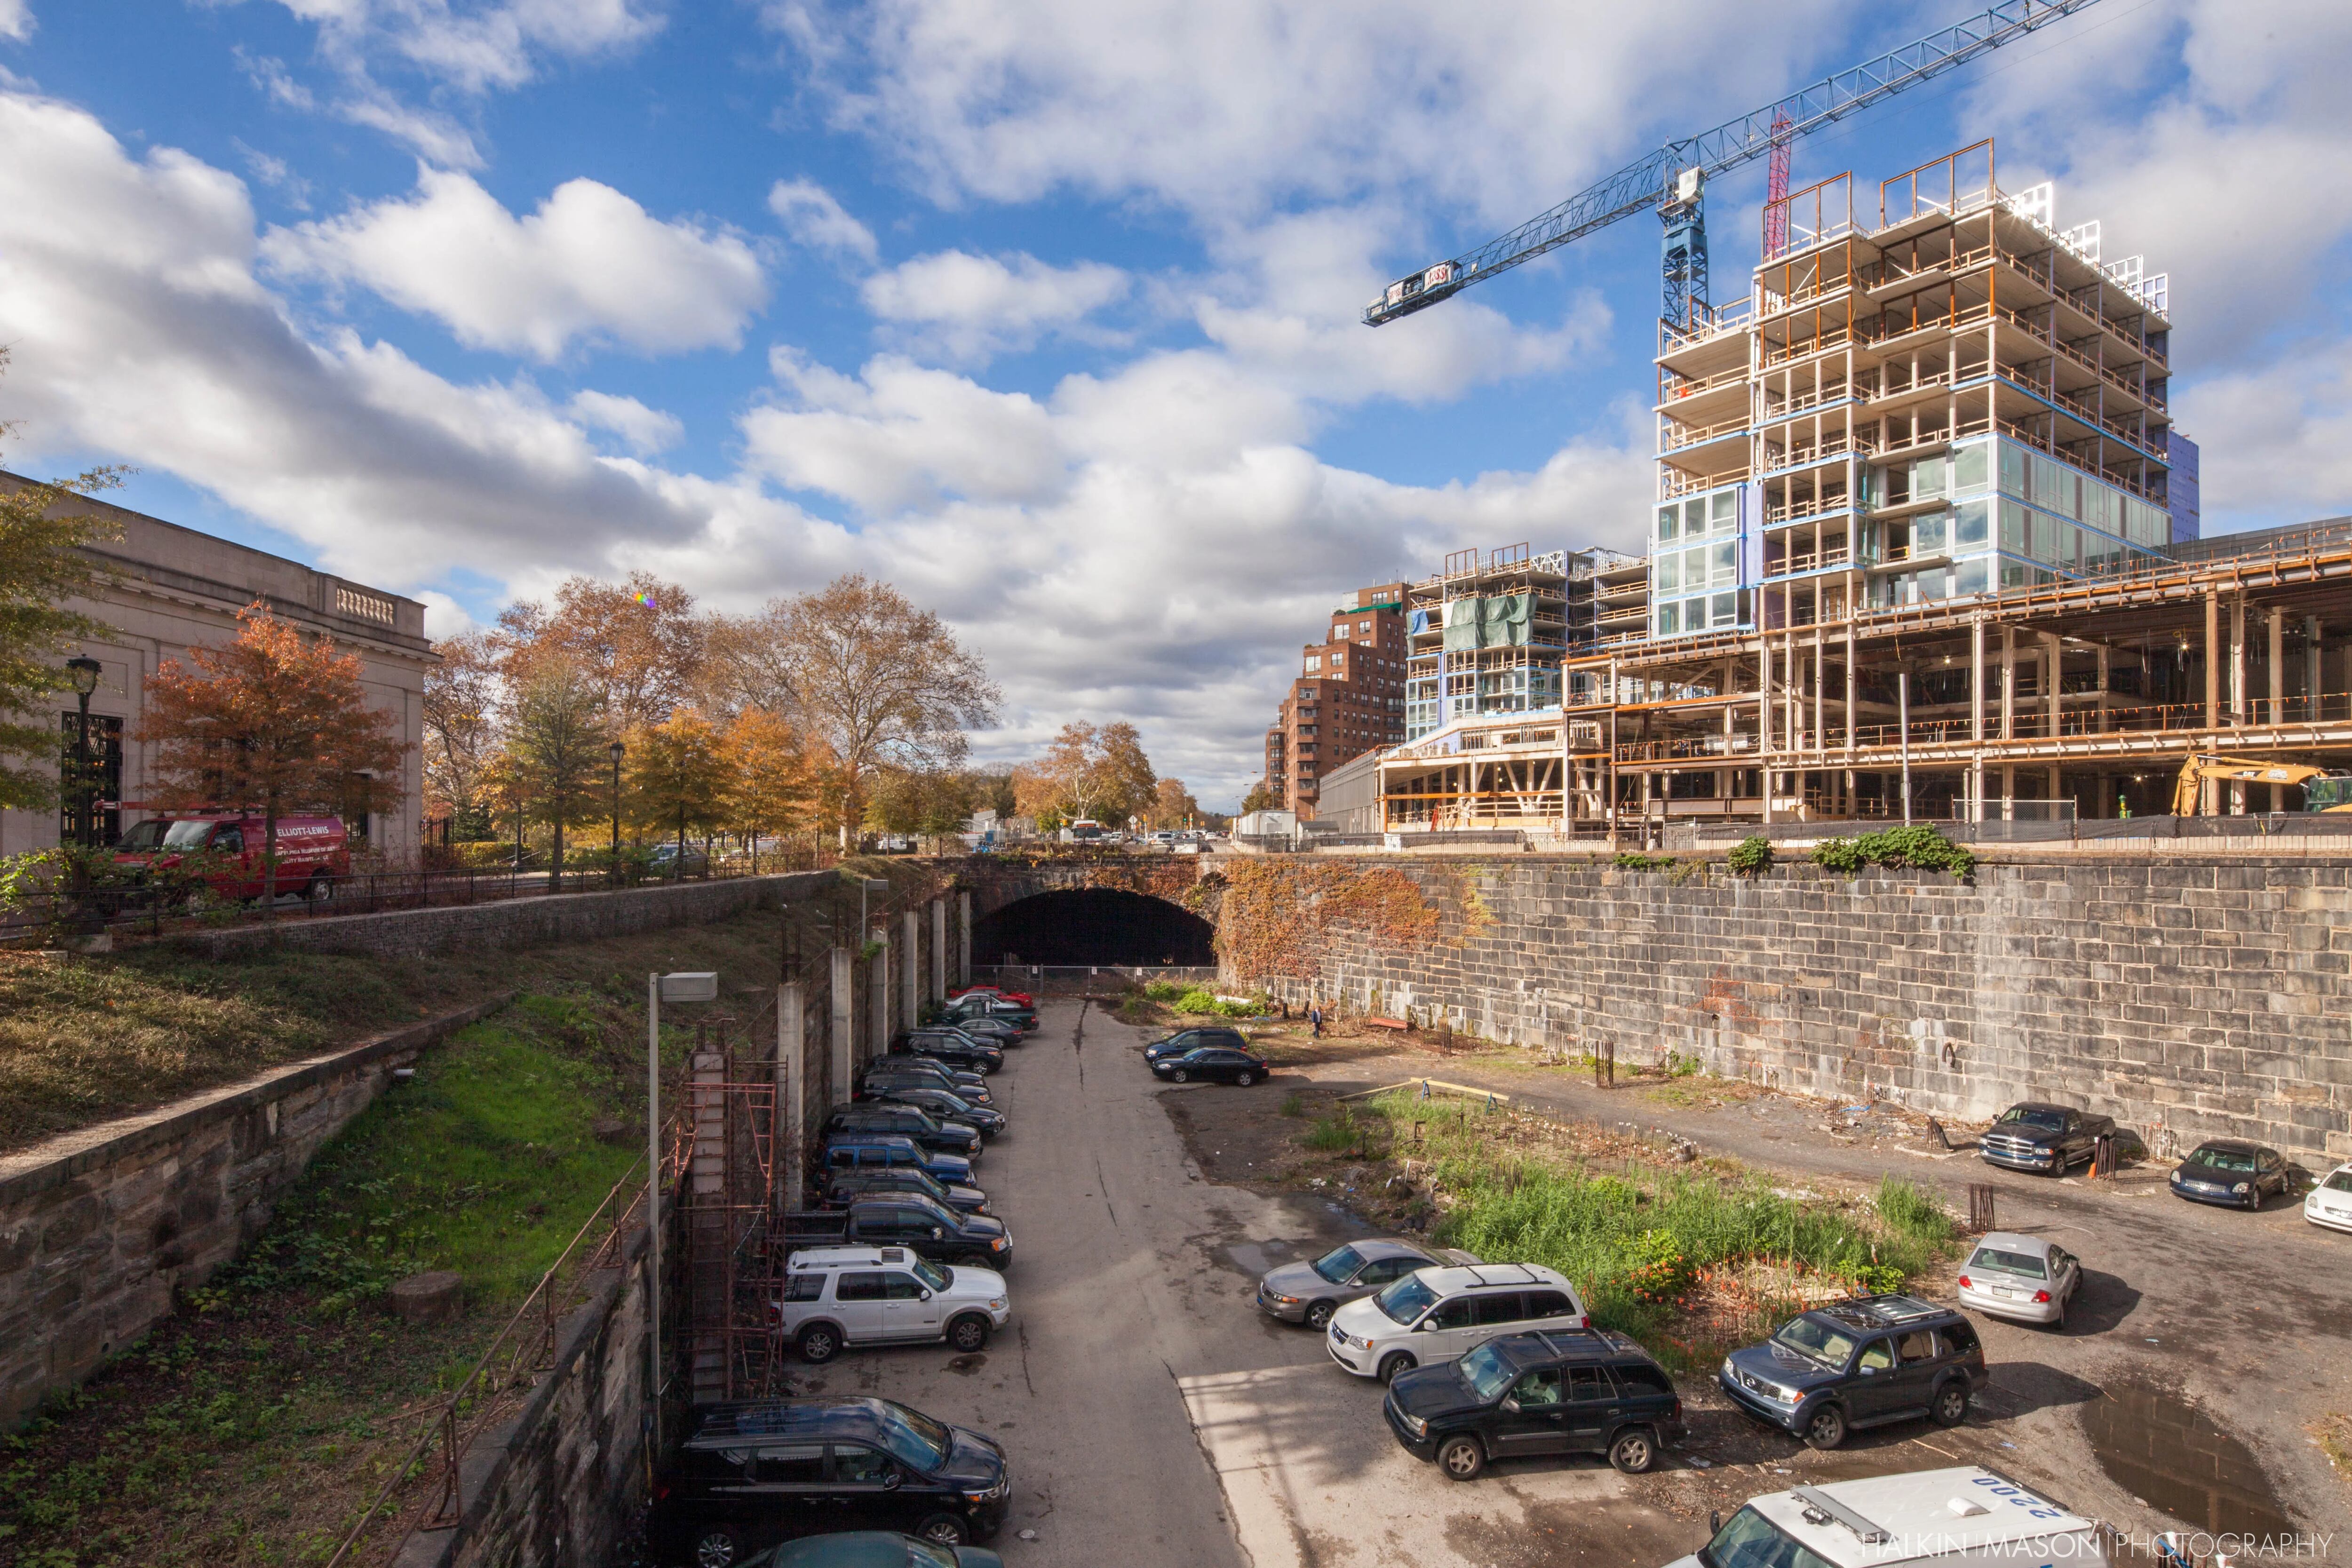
[{"x": 1915, "y": 845}]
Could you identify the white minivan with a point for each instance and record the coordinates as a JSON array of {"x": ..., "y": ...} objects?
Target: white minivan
[
  {"x": 1434, "y": 1315},
  {"x": 1967, "y": 1516},
  {"x": 836, "y": 1296}
]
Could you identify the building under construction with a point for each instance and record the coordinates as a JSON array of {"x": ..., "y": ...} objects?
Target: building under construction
[{"x": 1924, "y": 544}]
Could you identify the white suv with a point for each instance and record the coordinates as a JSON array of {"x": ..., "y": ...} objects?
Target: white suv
[
  {"x": 835, "y": 1296},
  {"x": 1435, "y": 1315}
]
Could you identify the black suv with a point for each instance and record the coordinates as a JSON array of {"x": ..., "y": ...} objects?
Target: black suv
[
  {"x": 928, "y": 1131},
  {"x": 1578, "y": 1393},
  {"x": 1184, "y": 1040},
  {"x": 903, "y": 1069},
  {"x": 847, "y": 1186},
  {"x": 1858, "y": 1363},
  {"x": 755, "y": 1474},
  {"x": 952, "y": 1046},
  {"x": 946, "y": 1105},
  {"x": 2046, "y": 1137}
]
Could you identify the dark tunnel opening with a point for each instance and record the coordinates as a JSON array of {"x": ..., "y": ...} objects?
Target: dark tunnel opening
[{"x": 1092, "y": 925}]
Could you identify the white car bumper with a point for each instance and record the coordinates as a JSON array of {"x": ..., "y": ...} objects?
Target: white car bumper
[
  {"x": 2335, "y": 1217},
  {"x": 1354, "y": 1357}
]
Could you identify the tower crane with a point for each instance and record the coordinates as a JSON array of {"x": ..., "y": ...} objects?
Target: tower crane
[{"x": 1674, "y": 178}]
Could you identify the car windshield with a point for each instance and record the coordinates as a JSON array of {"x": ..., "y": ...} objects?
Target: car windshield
[
  {"x": 931, "y": 1207},
  {"x": 1816, "y": 1341},
  {"x": 1406, "y": 1300},
  {"x": 2035, "y": 1117},
  {"x": 2215, "y": 1159},
  {"x": 1340, "y": 1265},
  {"x": 1751, "y": 1541},
  {"x": 2341, "y": 1182},
  {"x": 933, "y": 1277},
  {"x": 2024, "y": 1263},
  {"x": 914, "y": 1439},
  {"x": 166, "y": 835},
  {"x": 1486, "y": 1371},
  {"x": 923, "y": 1554}
]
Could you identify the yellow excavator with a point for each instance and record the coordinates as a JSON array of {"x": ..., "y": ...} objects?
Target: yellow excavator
[{"x": 2322, "y": 790}]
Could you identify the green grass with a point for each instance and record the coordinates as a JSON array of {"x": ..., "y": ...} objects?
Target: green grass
[{"x": 1633, "y": 1246}]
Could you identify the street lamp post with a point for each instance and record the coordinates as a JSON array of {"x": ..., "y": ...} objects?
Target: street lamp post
[
  {"x": 617, "y": 750},
  {"x": 85, "y": 671}
]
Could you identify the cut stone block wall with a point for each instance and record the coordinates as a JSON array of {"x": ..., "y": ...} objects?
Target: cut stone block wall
[{"x": 2185, "y": 998}]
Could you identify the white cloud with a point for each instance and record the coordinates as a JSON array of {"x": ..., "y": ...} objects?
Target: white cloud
[
  {"x": 478, "y": 48},
  {"x": 444, "y": 617},
  {"x": 643, "y": 430},
  {"x": 16, "y": 19},
  {"x": 811, "y": 215},
  {"x": 969, "y": 307},
  {"x": 590, "y": 265}
]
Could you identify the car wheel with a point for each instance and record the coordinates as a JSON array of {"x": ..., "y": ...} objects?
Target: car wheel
[
  {"x": 819, "y": 1343},
  {"x": 967, "y": 1334},
  {"x": 1826, "y": 1429},
  {"x": 318, "y": 890},
  {"x": 1951, "y": 1406},
  {"x": 1461, "y": 1458},
  {"x": 944, "y": 1530},
  {"x": 1319, "y": 1315},
  {"x": 1395, "y": 1365},
  {"x": 1244, "y": 1079},
  {"x": 716, "y": 1549},
  {"x": 1635, "y": 1451},
  {"x": 1178, "y": 1075}
]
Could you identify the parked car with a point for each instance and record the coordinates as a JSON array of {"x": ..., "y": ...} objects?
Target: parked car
[
  {"x": 1435, "y": 1315},
  {"x": 2050, "y": 1138},
  {"x": 881, "y": 1081},
  {"x": 753, "y": 1474},
  {"x": 949, "y": 1045},
  {"x": 1857, "y": 1364},
  {"x": 2226, "y": 1170},
  {"x": 1963, "y": 1517},
  {"x": 945, "y": 1106},
  {"x": 959, "y": 1080},
  {"x": 837, "y": 1296},
  {"x": 2330, "y": 1202},
  {"x": 872, "y": 1549},
  {"x": 857, "y": 1150},
  {"x": 1023, "y": 998},
  {"x": 846, "y": 1187},
  {"x": 1184, "y": 1040},
  {"x": 313, "y": 852},
  {"x": 912, "y": 1220},
  {"x": 1215, "y": 1064},
  {"x": 996, "y": 1029},
  {"x": 668, "y": 860},
  {"x": 1309, "y": 1293},
  {"x": 997, "y": 1009},
  {"x": 881, "y": 1116},
  {"x": 2027, "y": 1278},
  {"x": 1523, "y": 1394}
]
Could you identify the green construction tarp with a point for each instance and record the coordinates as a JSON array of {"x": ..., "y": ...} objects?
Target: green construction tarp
[{"x": 1463, "y": 620}]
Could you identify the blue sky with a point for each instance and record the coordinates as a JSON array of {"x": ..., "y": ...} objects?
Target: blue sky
[{"x": 1043, "y": 310}]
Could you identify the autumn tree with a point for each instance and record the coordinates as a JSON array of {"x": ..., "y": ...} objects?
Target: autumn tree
[
  {"x": 637, "y": 644},
  {"x": 881, "y": 682},
  {"x": 932, "y": 802},
  {"x": 681, "y": 774},
  {"x": 782, "y": 779},
  {"x": 1097, "y": 772},
  {"x": 44, "y": 562},
  {"x": 1172, "y": 805},
  {"x": 461, "y": 724},
  {"x": 556, "y": 747},
  {"x": 1260, "y": 798},
  {"x": 271, "y": 721}
]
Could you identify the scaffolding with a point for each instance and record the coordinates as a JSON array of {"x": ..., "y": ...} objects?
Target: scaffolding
[{"x": 1486, "y": 634}]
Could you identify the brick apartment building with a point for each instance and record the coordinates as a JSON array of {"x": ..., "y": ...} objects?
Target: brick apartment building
[{"x": 1349, "y": 698}]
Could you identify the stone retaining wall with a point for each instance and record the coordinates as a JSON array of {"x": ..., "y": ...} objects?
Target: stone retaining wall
[
  {"x": 509, "y": 923},
  {"x": 2187, "y": 998},
  {"x": 99, "y": 1228}
]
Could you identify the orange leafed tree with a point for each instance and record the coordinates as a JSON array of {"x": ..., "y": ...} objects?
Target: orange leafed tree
[{"x": 272, "y": 721}]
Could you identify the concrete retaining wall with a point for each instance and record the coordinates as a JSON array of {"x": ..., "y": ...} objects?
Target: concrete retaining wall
[
  {"x": 2196, "y": 998},
  {"x": 99, "y": 1228},
  {"x": 510, "y": 924}
]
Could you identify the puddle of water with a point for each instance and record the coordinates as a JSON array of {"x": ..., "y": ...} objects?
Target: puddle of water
[
  {"x": 968, "y": 1364},
  {"x": 2171, "y": 1456},
  {"x": 1252, "y": 1259}
]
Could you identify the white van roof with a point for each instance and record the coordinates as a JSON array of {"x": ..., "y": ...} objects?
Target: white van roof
[{"x": 1915, "y": 1518}]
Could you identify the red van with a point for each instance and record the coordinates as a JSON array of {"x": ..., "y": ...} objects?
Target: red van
[{"x": 312, "y": 851}]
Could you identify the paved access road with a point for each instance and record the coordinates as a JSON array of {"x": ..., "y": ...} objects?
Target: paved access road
[{"x": 1153, "y": 1417}]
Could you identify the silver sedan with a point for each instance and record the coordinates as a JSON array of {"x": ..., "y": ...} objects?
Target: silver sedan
[
  {"x": 2023, "y": 1277},
  {"x": 1311, "y": 1292}
]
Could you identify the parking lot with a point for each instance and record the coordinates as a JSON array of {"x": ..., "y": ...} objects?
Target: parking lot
[{"x": 1151, "y": 1414}]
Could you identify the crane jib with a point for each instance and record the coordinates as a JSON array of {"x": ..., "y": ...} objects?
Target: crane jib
[{"x": 1644, "y": 183}]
